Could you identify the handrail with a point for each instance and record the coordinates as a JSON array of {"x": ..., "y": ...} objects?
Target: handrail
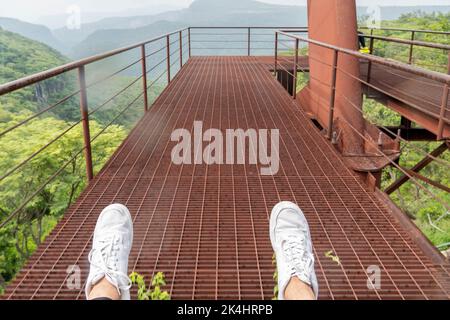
[
  {"x": 445, "y": 79},
  {"x": 407, "y": 30},
  {"x": 432, "y": 75},
  {"x": 85, "y": 111},
  {"x": 410, "y": 42},
  {"x": 44, "y": 75}
]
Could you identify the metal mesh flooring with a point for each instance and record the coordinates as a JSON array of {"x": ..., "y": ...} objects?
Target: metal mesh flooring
[{"x": 206, "y": 227}]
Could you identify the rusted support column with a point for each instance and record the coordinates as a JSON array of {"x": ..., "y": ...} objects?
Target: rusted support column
[
  {"x": 411, "y": 48},
  {"x": 249, "y": 41},
  {"x": 85, "y": 122},
  {"x": 444, "y": 106},
  {"x": 340, "y": 19},
  {"x": 181, "y": 50},
  {"x": 144, "y": 76},
  {"x": 332, "y": 94},
  {"x": 168, "y": 58},
  {"x": 294, "y": 71}
]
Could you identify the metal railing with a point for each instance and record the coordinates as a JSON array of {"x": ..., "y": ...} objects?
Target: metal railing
[
  {"x": 166, "y": 54},
  {"x": 235, "y": 40},
  {"x": 444, "y": 79},
  {"x": 442, "y": 116}
]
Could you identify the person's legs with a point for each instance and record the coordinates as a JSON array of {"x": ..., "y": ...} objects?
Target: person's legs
[
  {"x": 113, "y": 237},
  {"x": 291, "y": 241}
]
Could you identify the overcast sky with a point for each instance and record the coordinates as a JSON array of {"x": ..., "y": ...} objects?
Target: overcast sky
[{"x": 31, "y": 10}]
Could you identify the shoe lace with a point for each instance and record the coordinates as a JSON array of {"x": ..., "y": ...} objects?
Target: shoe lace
[
  {"x": 300, "y": 259},
  {"x": 106, "y": 258}
]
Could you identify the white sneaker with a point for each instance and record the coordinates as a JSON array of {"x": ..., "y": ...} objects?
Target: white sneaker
[
  {"x": 291, "y": 241},
  {"x": 113, "y": 238}
]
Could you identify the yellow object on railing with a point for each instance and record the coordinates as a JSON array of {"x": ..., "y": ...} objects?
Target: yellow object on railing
[{"x": 364, "y": 50}]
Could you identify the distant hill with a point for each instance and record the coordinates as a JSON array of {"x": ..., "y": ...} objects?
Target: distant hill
[
  {"x": 73, "y": 37},
  {"x": 114, "y": 32},
  {"x": 20, "y": 57},
  {"x": 32, "y": 31},
  {"x": 200, "y": 13}
]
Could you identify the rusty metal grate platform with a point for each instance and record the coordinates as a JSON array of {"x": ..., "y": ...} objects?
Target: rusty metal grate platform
[{"x": 206, "y": 227}]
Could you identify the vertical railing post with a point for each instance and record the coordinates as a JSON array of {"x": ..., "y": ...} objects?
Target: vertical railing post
[
  {"x": 249, "y": 41},
  {"x": 294, "y": 80},
  {"x": 168, "y": 58},
  {"x": 369, "y": 67},
  {"x": 85, "y": 122},
  {"x": 444, "y": 106},
  {"x": 448, "y": 63},
  {"x": 181, "y": 49},
  {"x": 411, "y": 48},
  {"x": 144, "y": 76},
  {"x": 276, "y": 54},
  {"x": 333, "y": 94},
  {"x": 189, "y": 41}
]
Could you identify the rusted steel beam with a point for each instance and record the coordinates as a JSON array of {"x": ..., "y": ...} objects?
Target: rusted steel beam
[
  {"x": 417, "y": 168},
  {"x": 144, "y": 77},
  {"x": 85, "y": 122},
  {"x": 409, "y": 134},
  {"x": 429, "y": 181}
]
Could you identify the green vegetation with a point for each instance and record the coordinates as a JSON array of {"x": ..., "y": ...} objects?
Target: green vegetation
[
  {"x": 156, "y": 293},
  {"x": 428, "y": 213}
]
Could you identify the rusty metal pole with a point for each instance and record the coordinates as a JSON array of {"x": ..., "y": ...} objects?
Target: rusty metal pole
[
  {"x": 249, "y": 42},
  {"x": 189, "y": 41},
  {"x": 85, "y": 122},
  {"x": 144, "y": 76},
  {"x": 181, "y": 50},
  {"x": 411, "y": 48},
  {"x": 443, "y": 112},
  {"x": 294, "y": 71},
  {"x": 333, "y": 94},
  {"x": 168, "y": 58},
  {"x": 369, "y": 67},
  {"x": 276, "y": 53}
]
